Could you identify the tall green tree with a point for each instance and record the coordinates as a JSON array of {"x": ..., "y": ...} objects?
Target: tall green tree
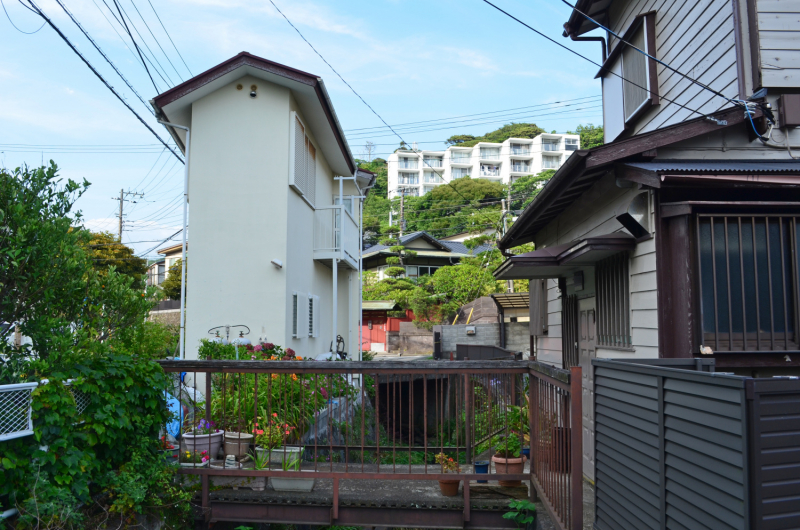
[
  {"x": 591, "y": 135},
  {"x": 106, "y": 251},
  {"x": 525, "y": 189},
  {"x": 171, "y": 286},
  {"x": 511, "y": 130}
]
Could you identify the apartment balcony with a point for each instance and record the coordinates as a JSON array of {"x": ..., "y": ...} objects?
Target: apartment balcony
[
  {"x": 432, "y": 178},
  {"x": 405, "y": 163},
  {"x": 490, "y": 171},
  {"x": 521, "y": 168},
  {"x": 432, "y": 162},
  {"x": 336, "y": 236},
  {"x": 461, "y": 161},
  {"x": 408, "y": 181},
  {"x": 490, "y": 154},
  {"x": 551, "y": 146}
]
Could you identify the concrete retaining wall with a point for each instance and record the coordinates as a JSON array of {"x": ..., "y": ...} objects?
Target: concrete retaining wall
[
  {"x": 410, "y": 340},
  {"x": 517, "y": 336}
]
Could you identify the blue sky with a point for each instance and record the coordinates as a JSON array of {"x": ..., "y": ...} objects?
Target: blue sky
[{"x": 410, "y": 60}]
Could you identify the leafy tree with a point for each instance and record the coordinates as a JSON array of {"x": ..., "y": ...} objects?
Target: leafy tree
[
  {"x": 377, "y": 203},
  {"x": 171, "y": 286},
  {"x": 511, "y": 130},
  {"x": 392, "y": 240},
  {"x": 525, "y": 189},
  {"x": 106, "y": 251},
  {"x": 591, "y": 135}
]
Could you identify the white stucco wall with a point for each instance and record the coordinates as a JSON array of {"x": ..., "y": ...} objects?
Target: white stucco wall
[{"x": 243, "y": 215}]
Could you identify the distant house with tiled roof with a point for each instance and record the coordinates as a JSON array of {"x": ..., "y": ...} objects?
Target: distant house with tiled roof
[{"x": 432, "y": 254}]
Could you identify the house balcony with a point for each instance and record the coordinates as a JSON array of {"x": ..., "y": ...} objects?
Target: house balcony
[
  {"x": 461, "y": 161},
  {"x": 551, "y": 146},
  {"x": 336, "y": 236},
  {"x": 432, "y": 162}
]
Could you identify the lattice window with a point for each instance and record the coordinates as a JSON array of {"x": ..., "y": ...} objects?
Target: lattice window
[
  {"x": 748, "y": 278},
  {"x": 612, "y": 283},
  {"x": 15, "y": 410}
]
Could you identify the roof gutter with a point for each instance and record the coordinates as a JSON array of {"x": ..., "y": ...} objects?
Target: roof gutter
[
  {"x": 351, "y": 160},
  {"x": 552, "y": 189}
]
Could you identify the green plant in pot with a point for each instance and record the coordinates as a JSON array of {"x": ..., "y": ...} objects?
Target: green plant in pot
[
  {"x": 448, "y": 487},
  {"x": 508, "y": 458}
]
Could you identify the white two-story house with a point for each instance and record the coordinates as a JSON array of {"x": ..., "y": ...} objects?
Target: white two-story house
[{"x": 274, "y": 206}]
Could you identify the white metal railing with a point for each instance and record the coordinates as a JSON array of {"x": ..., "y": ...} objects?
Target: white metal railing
[
  {"x": 459, "y": 172},
  {"x": 490, "y": 171},
  {"x": 460, "y": 159},
  {"x": 15, "y": 410},
  {"x": 550, "y": 162},
  {"x": 432, "y": 162},
  {"x": 550, "y": 146},
  {"x": 335, "y": 230},
  {"x": 490, "y": 154},
  {"x": 407, "y": 163},
  {"x": 519, "y": 168},
  {"x": 515, "y": 150},
  {"x": 432, "y": 178},
  {"x": 408, "y": 179}
]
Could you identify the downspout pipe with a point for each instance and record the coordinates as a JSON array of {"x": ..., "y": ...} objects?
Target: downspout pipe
[
  {"x": 183, "y": 239},
  {"x": 601, "y": 40}
]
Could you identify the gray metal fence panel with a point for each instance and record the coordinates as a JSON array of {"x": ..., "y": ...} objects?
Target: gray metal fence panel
[{"x": 670, "y": 448}]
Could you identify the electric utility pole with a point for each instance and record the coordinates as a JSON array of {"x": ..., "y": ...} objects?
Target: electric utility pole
[{"x": 122, "y": 199}]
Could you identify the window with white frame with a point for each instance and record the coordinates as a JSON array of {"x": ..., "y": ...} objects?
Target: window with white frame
[
  {"x": 571, "y": 144},
  {"x": 303, "y": 162},
  {"x": 460, "y": 172},
  {"x": 550, "y": 162},
  {"x": 409, "y": 178}
]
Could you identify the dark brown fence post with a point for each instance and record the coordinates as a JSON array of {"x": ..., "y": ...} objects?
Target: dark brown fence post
[
  {"x": 533, "y": 439},
  {"x": 204, "y": 480},
  {"x": 468, "y": 419},
  {"x": 576, "y": 449}
]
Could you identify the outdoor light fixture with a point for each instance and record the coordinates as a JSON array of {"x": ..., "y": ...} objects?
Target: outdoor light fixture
[
  {"x": 278, "y": 263},
  {"x": 253, "y": 89}
]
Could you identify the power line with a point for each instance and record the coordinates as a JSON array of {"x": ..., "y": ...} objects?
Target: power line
[
  {"x": 155, "y": 39},
  {"x": 97, "y": 47},
  {"x": 135, "y": 45},
  {"x": 348, "y": 84},
  {"x": 169, "y": 37},
  {"x": 506, "y": 13},
  {"x": 467, "y": 123},
  {"x": 479, "y": 114},
  {"x": 92, "y": 68},
  {"x": 15, "y": 26}
]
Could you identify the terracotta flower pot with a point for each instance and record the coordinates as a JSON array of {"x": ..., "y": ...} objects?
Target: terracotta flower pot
[
  {"x": 509, "y": 466},
  {"x": 449, "y": 488}
]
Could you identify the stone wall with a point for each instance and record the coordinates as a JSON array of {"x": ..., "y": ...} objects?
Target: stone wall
[
  {"x": 410, "y": 340},
  {"x": 170, "y": 317},
  {"x": 517, "y": 336}
]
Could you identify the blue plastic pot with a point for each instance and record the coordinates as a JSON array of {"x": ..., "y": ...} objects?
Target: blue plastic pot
[
  {"x": 482, "y": 467},
  {"x": 527, "y": 452}
]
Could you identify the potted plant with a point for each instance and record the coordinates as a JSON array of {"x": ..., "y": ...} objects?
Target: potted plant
[
  {"x": 260, "y": 462},
  {"x": 449, "y": 488},
  {"x": 204, "y": 437},
  {"x": 168, "y": 450},
  {"x": 271, "y": 435},
  {"x": 237, "y": 443},
  {"x": 194, "y": 459},
  {"x": 507, "y": 458},
  {"x": 292, "y": 483}
]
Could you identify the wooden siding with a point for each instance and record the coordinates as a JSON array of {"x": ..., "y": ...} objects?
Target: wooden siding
[
  {"x": 696, "y": 38},
  {"x": 594, "y": 213},
  {"x": 779, "y": 42}
]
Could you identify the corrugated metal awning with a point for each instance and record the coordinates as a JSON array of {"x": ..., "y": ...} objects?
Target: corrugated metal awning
[
  {"x": 718, "y": 166},
  {"x": 512, "y": 300},
  {"x": 379, "y": 305}
]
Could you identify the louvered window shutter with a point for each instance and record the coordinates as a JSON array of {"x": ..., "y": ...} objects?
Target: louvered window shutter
[
  {"x": 298, "y": 170},
  {"x": 295, "y": 314},
  {"x": 302, "y": 316}
]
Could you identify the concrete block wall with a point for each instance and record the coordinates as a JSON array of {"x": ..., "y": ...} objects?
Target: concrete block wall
[
  {"x": 410, "y": 340},
  {"x": 517, "y": 336}
]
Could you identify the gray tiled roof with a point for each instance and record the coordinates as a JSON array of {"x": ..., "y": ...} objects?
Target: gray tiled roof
[{"x": 452, "y": 246}]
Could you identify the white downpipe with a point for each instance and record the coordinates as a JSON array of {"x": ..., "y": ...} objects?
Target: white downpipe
[{"x": 183, "y": 243}]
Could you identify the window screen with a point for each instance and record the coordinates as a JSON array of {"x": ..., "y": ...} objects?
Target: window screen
[
  {"x": 748, "y": 278},
  {"x": 613, "y": 301}
]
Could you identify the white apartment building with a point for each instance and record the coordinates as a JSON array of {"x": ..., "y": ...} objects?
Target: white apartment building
[{"x": 415, "y": 172}]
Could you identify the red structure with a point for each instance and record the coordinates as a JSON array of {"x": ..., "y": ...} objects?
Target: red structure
[{"x": 375, "y": 323}]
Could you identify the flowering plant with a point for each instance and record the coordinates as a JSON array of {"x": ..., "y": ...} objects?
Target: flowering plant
[
  {"x": 195, "y": 457},
  {"x": 270, "y": 431},
  {"x": 165, "y": 445},
  {"x": 448, "y": 464},
  {"x": 204, "y": 427}
]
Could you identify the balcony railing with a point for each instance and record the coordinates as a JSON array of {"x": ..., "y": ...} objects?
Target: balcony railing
[
  {"x": 385, "y": 421},
  {"x": 519, "y": 168},
  {"x": 432, "y": 178},
  {"x": 551, "y": 146},
  {"x": 408, "y": 180},
  {"x": 336, "y": 235},
  {"x": 460, "y": 159},
  {"x": 487, "y": 171},
  {"x": 432, "y": 162},
  {"x": 520, "y": 151},
  {"x": 490, "y": 154},
  {"x": 407, "y": 163}
]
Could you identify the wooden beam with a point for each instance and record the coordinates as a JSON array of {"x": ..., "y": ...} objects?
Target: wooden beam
[{"x": 637, "y": 175}]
